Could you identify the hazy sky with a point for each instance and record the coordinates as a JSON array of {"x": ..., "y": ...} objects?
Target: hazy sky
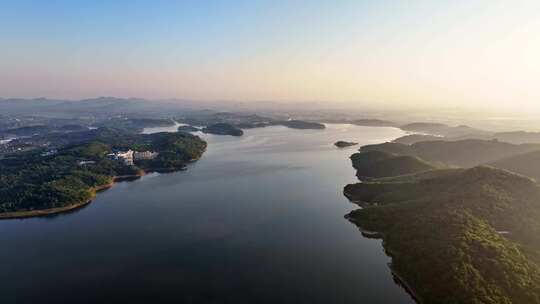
[{"x": 434, "y": 53}]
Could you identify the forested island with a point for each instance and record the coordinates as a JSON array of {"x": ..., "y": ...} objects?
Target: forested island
[
  {"x": 49, "y": 181},
  {"x": 223, "y": 129},
  {"x": 344, "y": 144},
  {"x": 373, "y": 123},
  {"x": 300, "y": 124},
  {"x": 467, "y": 234},
  {"x": 188, "y": 128}
]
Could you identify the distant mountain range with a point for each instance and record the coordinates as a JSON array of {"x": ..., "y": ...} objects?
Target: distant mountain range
[{"x": 97, "y": 106}]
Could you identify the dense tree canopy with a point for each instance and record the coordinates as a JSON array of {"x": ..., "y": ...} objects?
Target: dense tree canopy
[
  {"x": 458, "y": 236},
  {"x": 36, "y": 181}
]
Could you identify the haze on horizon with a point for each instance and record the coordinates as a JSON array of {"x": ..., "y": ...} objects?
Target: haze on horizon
[{"x": 469, "y": 54}]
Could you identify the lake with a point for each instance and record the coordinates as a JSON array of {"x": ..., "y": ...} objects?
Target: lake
[{"x": 259, "y": 219}]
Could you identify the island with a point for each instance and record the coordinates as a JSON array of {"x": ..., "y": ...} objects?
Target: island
[
  {"x": 188, "y": 129},
  {"x": 373, "y": 123},
  {"x": 223, "y": 129},
  {"x": 344, "y": 144},
  {"x": 303, "y": 125},
  {"x": 455, "y": 234},
  {"x": 41, "y": 182},
  {"x": 237, "y": 119}
]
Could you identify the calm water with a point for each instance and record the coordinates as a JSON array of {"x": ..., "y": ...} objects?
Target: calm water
[{"x": 259, "y": 219}]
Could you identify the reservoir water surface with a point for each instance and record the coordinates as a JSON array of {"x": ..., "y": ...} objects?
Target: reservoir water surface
[{"x": 259, "y": 219}]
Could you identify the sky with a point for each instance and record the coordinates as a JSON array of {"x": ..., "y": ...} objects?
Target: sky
[{"x": 480, "y": 54}]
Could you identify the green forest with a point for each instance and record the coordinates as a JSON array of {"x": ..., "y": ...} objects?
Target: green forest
[
  {"x": 32, "y": 181},
  {"x": 455, "y": 235}
]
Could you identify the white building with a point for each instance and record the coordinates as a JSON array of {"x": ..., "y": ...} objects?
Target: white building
[
  {"x": 126, "y": 157},
  {"x": 129, "y": 156}
]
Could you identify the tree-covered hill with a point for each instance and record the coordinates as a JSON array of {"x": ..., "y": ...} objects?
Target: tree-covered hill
[
  {"x": 527, "y": 164},
  {"x": 376, "y": 164},
  {"x": 472, "y": 236},
  {"x": 223, "y": 129},
  {"x": 39, "y": 181}
]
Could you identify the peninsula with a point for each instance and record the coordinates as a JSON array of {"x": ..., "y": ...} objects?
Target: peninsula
[
  {"x": 44, "y": 182},
  {"x": 455, "y": 235},
  {"x": 188, "y": 129}
]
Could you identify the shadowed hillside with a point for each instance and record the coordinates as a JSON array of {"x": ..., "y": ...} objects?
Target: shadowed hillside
[
  {"x": 377, "y": 164},
  {"x": 527, "y": 164}
]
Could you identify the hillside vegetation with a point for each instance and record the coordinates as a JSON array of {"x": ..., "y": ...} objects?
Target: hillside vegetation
[
  {"x": 37, "y": 181},
  {"x": 527, "y": 164},
  {"x": 223, "y": 129},
  {"x": 455, "y": 235},
  {"x": 376, "y": 164},
  {"x": 465, "y": 236}
]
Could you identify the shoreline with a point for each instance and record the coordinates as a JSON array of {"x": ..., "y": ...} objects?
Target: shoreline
[
  {"x": 380, "y": 236},
  {"x": 397, "y": 277},
  {"x": 41, "y": 213},
  {"x": 405, "y": 285},
  {"x": 57, "y": 210},
  {"x": 95, "y": 190},
  {"x": 75, "y": 206}
]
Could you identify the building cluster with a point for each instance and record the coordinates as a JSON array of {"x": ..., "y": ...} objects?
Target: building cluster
[{"x": 130, "y": 156}]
